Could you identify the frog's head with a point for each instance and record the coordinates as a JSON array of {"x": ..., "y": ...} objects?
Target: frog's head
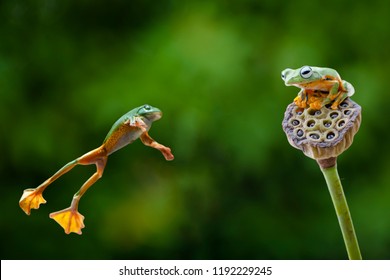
[
  {"x": 149, "y": 112},
  {"x": 301, "y": 76}
]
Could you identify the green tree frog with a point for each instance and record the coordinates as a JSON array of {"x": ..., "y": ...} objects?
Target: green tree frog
[
  {"x": 131, "y": 126},
  {"x": 319, "y": 86}
]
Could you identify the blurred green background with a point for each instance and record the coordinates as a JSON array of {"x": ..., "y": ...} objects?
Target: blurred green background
[{"x": 236, "y": 189}]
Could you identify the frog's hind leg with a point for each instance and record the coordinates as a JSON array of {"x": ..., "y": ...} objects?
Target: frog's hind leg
[
  {"x": 339, "y": 100},
  {"x": 32, "y": 198},
  {"x": 348, "y": 90},
  {"x": 69, "y": 218}
]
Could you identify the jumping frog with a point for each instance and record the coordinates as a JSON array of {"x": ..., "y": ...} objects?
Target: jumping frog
[
  {"x": 131, "y": 126},
  {"x": 319, "y": 86}
]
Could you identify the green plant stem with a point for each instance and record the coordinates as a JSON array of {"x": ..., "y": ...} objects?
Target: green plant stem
[{"x": 340, "y": 204}]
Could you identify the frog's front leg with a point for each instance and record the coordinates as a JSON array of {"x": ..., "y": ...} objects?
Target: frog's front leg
[
  {"x": 148, "y": 141},
  {"x": 70, "y": 219},
  {"x": 301, "y": 99}
]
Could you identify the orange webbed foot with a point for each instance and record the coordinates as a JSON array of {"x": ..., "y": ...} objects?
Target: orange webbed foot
[
  {"x": 299, "y": 102},
  {"x": 31, "y": 199},
  {"x": 316, "y": 105},
  {"x": 315, "y": 102},
  {"x": 70, "y": 219}
]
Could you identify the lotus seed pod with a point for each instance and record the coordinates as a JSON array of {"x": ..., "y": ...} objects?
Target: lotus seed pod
[{"x": 325, "y": 133}]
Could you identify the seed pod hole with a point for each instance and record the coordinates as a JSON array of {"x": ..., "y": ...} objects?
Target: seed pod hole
[
  {"x": 347, "y": 112},
  {"x": 300, "y": 133},
  {"x": 311, "y": 123},
  {"x": 341, "y": 123},
  {"x": 295, "y": 122},
  {"x": 314, "y": 136},
  {"x": 334, "y": 115},
  {"x": 344, "y": 105},
  {"x": 330, "y": 135},
  {"x": 327, "y": 123},
  {"x": 299, "y": 111},
  {"x": 314, "y": 112}
]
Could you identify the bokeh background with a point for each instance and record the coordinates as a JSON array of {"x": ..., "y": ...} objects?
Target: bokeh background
[{"x": 236, "y": 189}]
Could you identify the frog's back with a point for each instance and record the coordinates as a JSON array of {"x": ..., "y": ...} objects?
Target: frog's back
[{"x": 326, "y": 71}]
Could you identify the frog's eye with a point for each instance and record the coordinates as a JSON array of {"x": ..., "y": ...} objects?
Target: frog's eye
[
  {"x": 306, "y": 72},
  {"x": 144, "y": 109}
]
